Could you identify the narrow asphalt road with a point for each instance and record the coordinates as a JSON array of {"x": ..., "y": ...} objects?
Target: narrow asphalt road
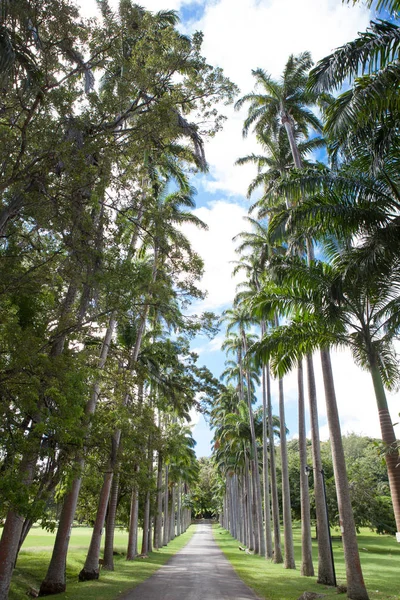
[{"x": 199, "y": 571}]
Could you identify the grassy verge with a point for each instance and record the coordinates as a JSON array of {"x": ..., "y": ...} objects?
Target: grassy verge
[
  {"x": 35, "y": 555},
  {"x": 380, "y": 558}
]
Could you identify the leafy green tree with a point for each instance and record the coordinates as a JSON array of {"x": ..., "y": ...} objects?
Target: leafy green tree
[
  {"x": 205, "y": 504},
  {"x": 74, "y": 176}
]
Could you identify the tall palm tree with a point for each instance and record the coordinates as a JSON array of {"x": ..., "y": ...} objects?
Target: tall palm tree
[
  {"x": 232, "y": 451},
  {"x": 276, "y": 161},
  {"x": 258, "y": 241},
  {"x": 236, "y": 318},
  {"x": 282, "y": 103},
  {"x": 372, "y": 62},
  {"x": 338, "y": 306},
  {"x": 251, "y": 265},
  {"x": 286, "y": 104}
]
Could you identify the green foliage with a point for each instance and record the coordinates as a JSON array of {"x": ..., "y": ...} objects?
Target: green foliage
[
  {"x": 368, "y": 483},
  {"x": 205, "y": 503},
  {"x": 101, "y": 125}
]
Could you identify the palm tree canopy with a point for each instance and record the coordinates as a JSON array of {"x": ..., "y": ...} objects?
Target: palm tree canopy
[
  {"x": 370, "y": 52},
  {"x": 277, "y": 101}
]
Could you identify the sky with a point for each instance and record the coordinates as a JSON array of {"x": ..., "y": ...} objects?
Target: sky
[{"x": 241, "y": 35}]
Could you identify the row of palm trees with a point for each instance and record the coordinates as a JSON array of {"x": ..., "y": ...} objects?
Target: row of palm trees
[
  {"x": 95, "y": 367},
  {"x": 348, "y": 210}
]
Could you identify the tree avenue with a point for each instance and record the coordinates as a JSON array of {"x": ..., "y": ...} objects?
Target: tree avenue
[{"x": 102, "y": 123}]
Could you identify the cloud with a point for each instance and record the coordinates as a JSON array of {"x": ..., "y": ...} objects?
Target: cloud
[
  {"x": 241, "y": 35},
  {"x": 213, "y": 345},
  {"x": 355, "y": 397},
  {"x": 224, "y": 220}
]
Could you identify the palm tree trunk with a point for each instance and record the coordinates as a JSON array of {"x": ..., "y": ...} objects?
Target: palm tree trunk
[
  {"x": 151, "y": 523},
  {"x": 267, "y": 502},
  {"x": 55, "y": 581},
  {"x": 240, "y": 511},
  {"x": 326, "y": 575},
  {"x": 172, "y": 516},
  {"x": 254, "y": 508},
  {"x": 278, "y": 558},
  {"x": 146, "y": 525},
  {"x": 253, "y": 535},
  {"x": 108, "y": 556},
  {"x": 179, "y": 508},
  {"x": 250, "y": 534},
  {"x": 388, "y": 437},
  {"x": 231, "y": 507},
  {"x": 292, "y": 142},
  {"x": 133, "y": 526},
  {"x": 146, "y": 539},
  {"x": 289, "y": 562},
  {"x": 166, "y": 514},
  {"x": 257, "y": 483},
  {"x": 235, "y": 506},
  {"x": 158, "y": 517},
  {"x": 355, "y": 582},
  {"x": 307, "y": 567},
  {"x": 228, "y": 506}
]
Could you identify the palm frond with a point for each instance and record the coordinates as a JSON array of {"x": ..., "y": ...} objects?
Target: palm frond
[{"x": 373, "y": 50}]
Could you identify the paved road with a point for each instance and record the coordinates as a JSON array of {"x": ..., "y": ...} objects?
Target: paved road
[{"x": 199, "y": 571}]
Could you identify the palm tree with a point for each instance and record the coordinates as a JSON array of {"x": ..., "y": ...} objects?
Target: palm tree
[
  {"x": 258, "y": 241},
  {"x": 276, "y": 162},
  {"x": 347, "y": 309},
  {"x": 391, "y": 6},
  {"x": 232, "y": 451},
  {"x": 371, "y": 60},
  {"x": 285, "y": 104},
  {"x": 282, "y": 104},
  {"x": 251, "y": 265},
  {"x": 238, "y": 344}
]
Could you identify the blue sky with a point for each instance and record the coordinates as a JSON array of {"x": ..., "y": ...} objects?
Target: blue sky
[{"x": 241, "y": 35}]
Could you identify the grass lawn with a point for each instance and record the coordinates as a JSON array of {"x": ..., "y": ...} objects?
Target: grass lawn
[
  {"x": 35, "y": 554},
  {"x": 380, "y": 559}
]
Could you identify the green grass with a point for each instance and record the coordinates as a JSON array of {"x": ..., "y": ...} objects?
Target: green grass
[
  {"x": 35, "y": 555},
  {"x": 380, "y": 559}
]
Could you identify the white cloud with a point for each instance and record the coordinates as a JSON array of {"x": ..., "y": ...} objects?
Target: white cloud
[
  {"x": 240, "y": 35},
  {"x": 194, "y": 417},
  {"x": 213, "y": 345},
  {"x": 224, "y": 220}
]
